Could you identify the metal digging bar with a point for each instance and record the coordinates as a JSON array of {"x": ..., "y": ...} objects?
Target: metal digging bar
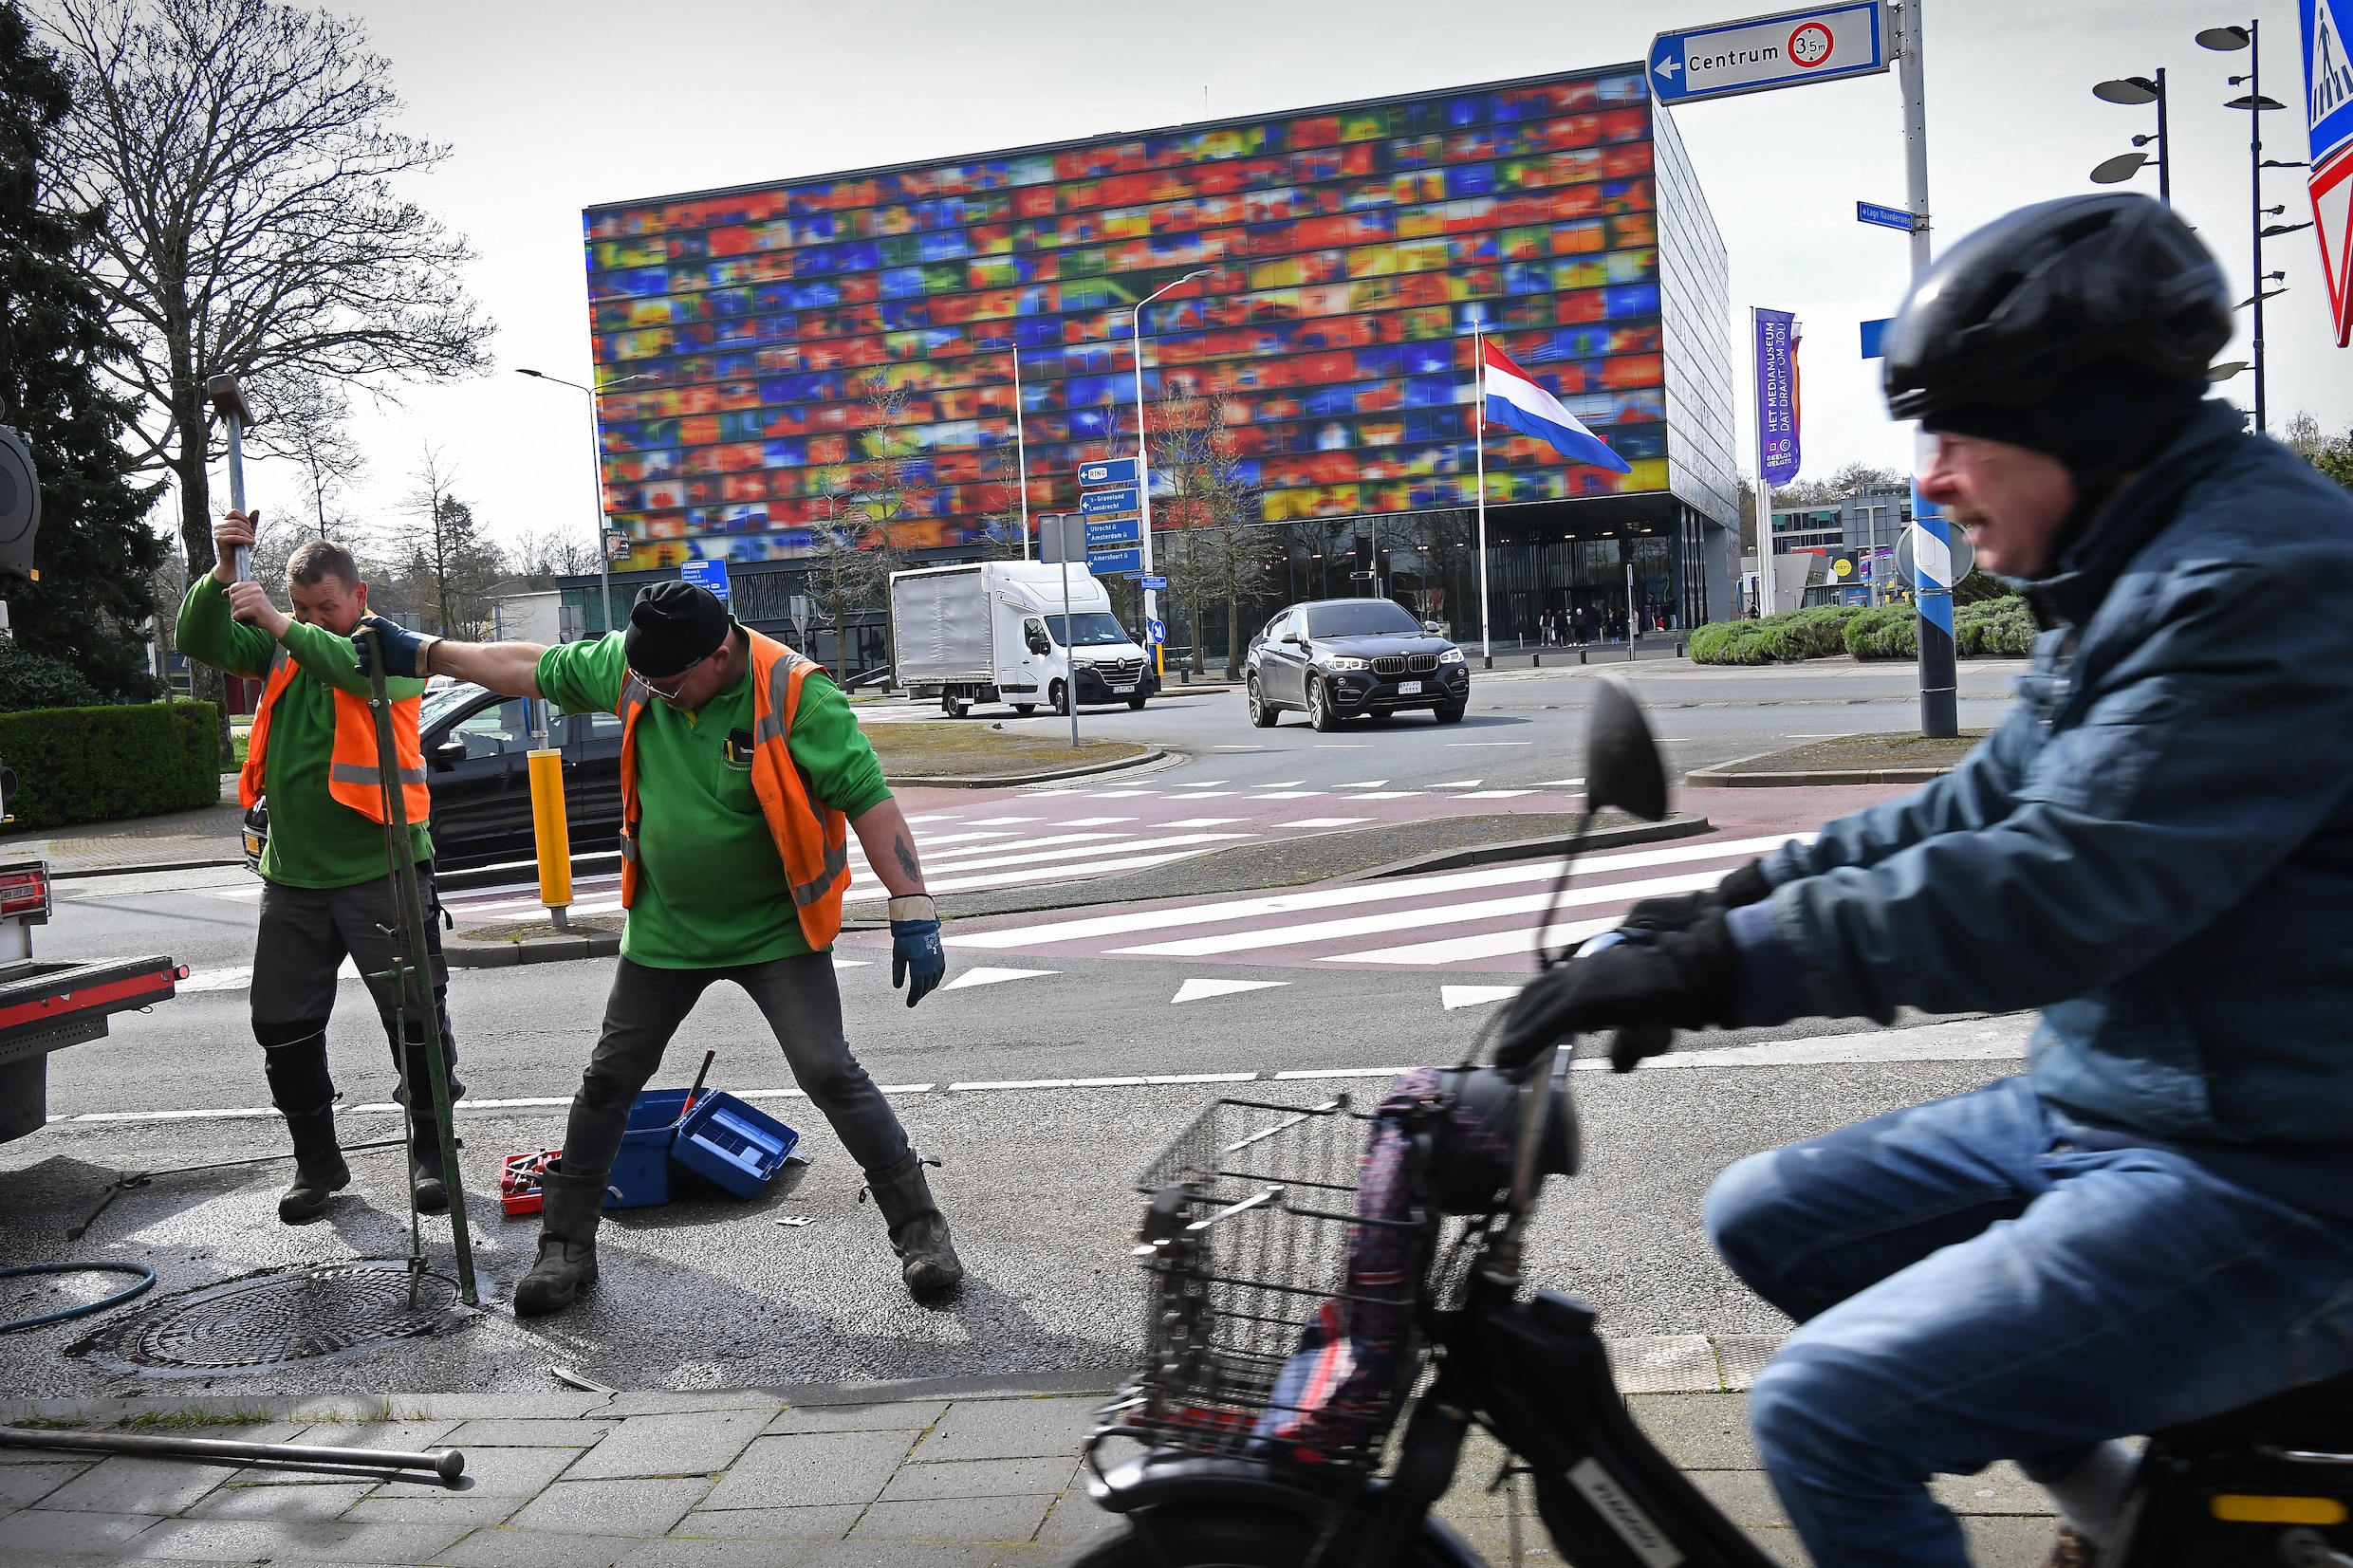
[
  {"x": 448, "y": 1464},
  {"x": 411, "y": 961}
]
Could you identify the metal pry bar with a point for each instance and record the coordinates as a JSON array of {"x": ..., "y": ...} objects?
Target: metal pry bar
[{"x": 229, "y": 402}]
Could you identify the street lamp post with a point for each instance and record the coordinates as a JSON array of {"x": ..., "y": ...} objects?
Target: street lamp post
[
  {"x": 2227, "y": 40},
  {"x": 1143, "y": 459},
  {"x": 596, "y": 474},
  {"x": 2115, "y": 170}
]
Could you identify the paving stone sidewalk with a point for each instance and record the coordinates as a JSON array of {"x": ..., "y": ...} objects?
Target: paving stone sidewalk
[{"x": 944, "y": 1473}]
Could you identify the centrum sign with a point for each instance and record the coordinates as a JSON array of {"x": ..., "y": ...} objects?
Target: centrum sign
[{"x": 1762, "y": 53}]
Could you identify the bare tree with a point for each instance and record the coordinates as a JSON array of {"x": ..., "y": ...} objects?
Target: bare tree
[
  {"x": 842, "y": 575},
  {"x": 1239, "y": 551},
  {"x": 242, "y": 151},
  {"x": 448, "y": 564},
  {"x": 1189, "y": 551},
  {"x": 1003, "y": 534},
  {"x": 880, "y": 489},
  {"x": 310, "y": 424},
  {"x": 552, "y": 552}
]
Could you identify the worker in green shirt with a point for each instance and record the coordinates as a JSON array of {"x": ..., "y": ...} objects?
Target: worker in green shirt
[
  {"x": 743, "y": 772},
  {"x": 326, "y": 889}
]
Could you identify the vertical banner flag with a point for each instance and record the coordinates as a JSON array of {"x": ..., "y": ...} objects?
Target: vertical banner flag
[
  {"x": 1776, "y": 395},
  {"x": 2328, "y": 91},
  {"x": 1513, "y": 398}
]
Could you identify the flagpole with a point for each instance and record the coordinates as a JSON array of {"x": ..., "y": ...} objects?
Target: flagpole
[
  {"x": 1021, "y": 455},
  {"x": 1478, "y": 401}
]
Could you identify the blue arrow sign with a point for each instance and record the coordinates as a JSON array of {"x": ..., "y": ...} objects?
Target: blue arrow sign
[
  {"x": 1111, "y": 562},
  {"x": 1110, "y": 532},
  {"x": 1761, "y": 53},
  {"x": 1099, "y": 503},
  {"x": 1886, "y": 217},
  {"x": 1119, "y": 471},
  {"x": 1154, "y": 632}
]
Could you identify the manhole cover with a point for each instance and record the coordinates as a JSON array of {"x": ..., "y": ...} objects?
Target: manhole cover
[{"x": 268, "y": 1320}]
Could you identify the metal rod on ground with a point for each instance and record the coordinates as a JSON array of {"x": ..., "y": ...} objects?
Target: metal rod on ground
[
  {"x": 413, "y": 932},
  {"x": 448, "y": 1464},
  {"x": 229, "y": 402},
  {"x": 129, "y": 1179},
  {"x": 399, "y": 976}
]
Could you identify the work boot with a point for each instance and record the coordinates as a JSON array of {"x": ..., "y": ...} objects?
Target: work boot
[
  {"x": 2072, "y": 1549},
  {"x": 430, "y": 1180},
  {"x": 319, "y": 1168},
  {"x": 569, "y": 1210},
  {"x": 927, "y": 1257}
]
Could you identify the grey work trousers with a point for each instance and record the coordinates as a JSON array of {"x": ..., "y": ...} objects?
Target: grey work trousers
[
  {"x": 802, "y": 1004},
  {"x": 298, "y": 955}
]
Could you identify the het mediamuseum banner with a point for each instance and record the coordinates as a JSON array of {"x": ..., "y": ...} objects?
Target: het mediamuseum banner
[{"x": 1776, "y": 395}]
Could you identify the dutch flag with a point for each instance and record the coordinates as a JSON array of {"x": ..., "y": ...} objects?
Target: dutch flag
[{"x": 1513, "y": 398}]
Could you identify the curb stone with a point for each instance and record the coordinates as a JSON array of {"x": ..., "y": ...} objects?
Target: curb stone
[{"x": 1677, "y": 827}]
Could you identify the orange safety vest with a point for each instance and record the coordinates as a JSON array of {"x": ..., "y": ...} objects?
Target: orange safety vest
[
  {"x": 352, "y": 778},
  {"x": 811, "y": 839}
]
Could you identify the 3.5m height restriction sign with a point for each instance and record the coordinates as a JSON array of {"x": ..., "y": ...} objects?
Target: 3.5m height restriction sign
[{"x": 1759, "y": 54}]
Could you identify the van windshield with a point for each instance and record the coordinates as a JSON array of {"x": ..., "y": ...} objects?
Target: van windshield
[
  {"x": 1096, "y": 629},
  {"x": 1371, "y": 617}
]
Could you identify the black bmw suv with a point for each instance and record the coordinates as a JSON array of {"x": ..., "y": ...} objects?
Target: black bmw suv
[{"x": 1337, "y": 658}]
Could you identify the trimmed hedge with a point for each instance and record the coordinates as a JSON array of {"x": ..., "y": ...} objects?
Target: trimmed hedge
[
  {"x": 1786, "y": 638},
  {"x": 97, "y": 765},
  {"x": 2004, "y": 625}
]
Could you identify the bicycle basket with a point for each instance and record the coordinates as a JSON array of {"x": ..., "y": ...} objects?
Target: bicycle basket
[{"x": 1283, "y": 1255}]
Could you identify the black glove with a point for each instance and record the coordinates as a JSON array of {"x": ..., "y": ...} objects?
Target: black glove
[
  {"x": 1646, "y": 987},
  {"x": 1682, "y": 911}
]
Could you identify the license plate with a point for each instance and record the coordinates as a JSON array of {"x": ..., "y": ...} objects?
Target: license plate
[
  {"x": 1409, "y": 688},
  {"x": 1121, "y": 691}
]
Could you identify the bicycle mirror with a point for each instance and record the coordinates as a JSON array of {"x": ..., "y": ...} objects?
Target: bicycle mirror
[{"x": 1623, "y": 768}]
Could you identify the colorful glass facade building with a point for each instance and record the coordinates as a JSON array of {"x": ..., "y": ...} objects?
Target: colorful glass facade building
[{"x": 1351, "y": 252}]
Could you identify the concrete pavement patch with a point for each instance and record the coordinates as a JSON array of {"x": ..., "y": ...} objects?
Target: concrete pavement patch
[
  {"x": 814, "y": 1521},
  {"x": 671, "y": 1445},
  {"x": 503, "y": 1547},
  {"x": 613, "y": 1507},
  {"x": 811, "y": 1468},
  {"x": 997, "y": 1518}
]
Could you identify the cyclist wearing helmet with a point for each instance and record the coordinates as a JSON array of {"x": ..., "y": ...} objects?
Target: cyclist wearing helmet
[{"x": 2154, "y": 848}]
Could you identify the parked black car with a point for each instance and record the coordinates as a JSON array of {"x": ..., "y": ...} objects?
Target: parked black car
[
  {"x": 1339, "y": 658},
  {"x": 476, "y": 745}
]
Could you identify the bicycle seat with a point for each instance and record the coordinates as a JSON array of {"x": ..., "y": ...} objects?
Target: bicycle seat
[
  {"x": 2318, "y": 1415},
  {"x": 2270, "y": 1482}
]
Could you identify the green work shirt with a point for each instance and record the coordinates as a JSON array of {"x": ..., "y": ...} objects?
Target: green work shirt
[
  {"x": 712, "y": 890},
  {"x": 315, "y": 840}
]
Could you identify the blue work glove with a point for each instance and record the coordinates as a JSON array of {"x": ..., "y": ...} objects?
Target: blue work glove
[
  {"x": 918, "y": 960},
  {"x": 405, "y": 650}
]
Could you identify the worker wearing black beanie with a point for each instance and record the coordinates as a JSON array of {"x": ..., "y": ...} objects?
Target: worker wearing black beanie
[{"x": 744, "y": 771}]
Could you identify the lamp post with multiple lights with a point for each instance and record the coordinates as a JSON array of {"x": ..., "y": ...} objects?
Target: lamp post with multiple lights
[
  {"x": 2115, "y": 170},
  {"x": 1143, "y": 459},
  {"x": 596, "y": 475},
  {"x": 2227, "y": 40}
]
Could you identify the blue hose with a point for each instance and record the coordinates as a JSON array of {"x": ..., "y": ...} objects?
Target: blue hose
[{"x": 146, "y": 1280}]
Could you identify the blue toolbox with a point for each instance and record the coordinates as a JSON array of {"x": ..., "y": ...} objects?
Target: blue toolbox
[
  {"x": 733, "y": 1144},
  {"x": 641, "y": 1170}
]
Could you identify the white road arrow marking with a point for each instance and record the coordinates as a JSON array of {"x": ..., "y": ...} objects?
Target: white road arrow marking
[
  {"x": 992, "y": 977},
  {"x": 1195, "y": 990},
  {"x": 1450, "y": 997}
]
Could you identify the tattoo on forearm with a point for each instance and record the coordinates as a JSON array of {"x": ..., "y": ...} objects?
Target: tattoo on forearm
[{"x": 905, "y": 852}]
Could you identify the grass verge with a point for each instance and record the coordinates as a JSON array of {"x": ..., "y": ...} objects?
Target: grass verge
[
  {"x": 949, "y": 749},
  {"x": 1851, "y": 752}
]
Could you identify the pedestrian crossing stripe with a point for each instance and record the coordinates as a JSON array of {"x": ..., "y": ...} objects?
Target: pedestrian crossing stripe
[
  {"x": 1196, "y": 990},
  {"x": 1452, "y": 997},
  {"x": 971, "y": 978}
]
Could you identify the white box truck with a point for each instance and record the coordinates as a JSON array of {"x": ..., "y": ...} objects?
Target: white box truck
[{"x": 995, "y": 632}]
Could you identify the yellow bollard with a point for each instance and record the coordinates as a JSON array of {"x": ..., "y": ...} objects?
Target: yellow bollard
[{"x": 554, "y": 838}]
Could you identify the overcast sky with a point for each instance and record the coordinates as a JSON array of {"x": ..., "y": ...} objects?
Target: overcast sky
[{"x": 550, "y": 107}]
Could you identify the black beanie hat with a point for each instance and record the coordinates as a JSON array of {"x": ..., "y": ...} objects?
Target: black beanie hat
[
  {"x": 2103, "y": 419},
  {"x": 672, "y": 625}
]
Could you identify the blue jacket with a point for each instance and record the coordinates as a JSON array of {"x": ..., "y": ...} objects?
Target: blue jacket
[{"x": 2155, "y": 845}]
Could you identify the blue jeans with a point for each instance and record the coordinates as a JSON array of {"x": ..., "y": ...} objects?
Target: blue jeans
[{"x": 1972, "y": 1286}]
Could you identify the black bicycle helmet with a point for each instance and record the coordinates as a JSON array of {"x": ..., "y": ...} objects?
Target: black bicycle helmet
[{"x": 2010, "y": 316}]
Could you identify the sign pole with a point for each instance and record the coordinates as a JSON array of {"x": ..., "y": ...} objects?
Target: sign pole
[
  {"x": 1939, "y": 681},
  {"x": 1479, "y": 403}
]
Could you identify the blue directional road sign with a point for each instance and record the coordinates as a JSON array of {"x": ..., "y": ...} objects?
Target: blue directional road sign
[
  {"x": 1097, "y": 503},
  {"x": 1157, "y": 584},
  {"x": 1886, "y": 217},
  {"x": 1758, "y": 54},
  {"x": 1111, "y": 532},
  {"x": 1112, "y": 562},
  {"x": 1154, "y": 632},
  {"x": 707, "y": 573},
  {"x": 1874, "y": 334},
  {"x": 1119, "y": 471}
]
